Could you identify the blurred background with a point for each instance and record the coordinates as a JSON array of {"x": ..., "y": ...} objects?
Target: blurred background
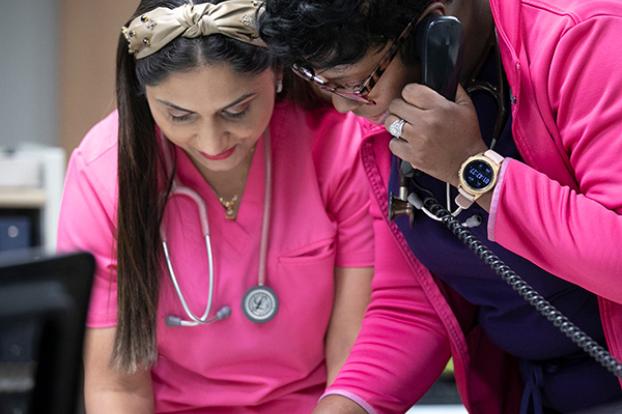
[
  {"x": 57, "y": 62},
  {"x": 57, "y": 67}
]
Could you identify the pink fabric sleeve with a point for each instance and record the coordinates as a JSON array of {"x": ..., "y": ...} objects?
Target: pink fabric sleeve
[
  {"x": 86, "y": 224},
  {"x": 575, "y": 235},
  {"x": 494, "y": 203},
  {"x": 350, "y": 207},
  {"x": 402, "y": 347},
  {"x": 345, "y": 189}
]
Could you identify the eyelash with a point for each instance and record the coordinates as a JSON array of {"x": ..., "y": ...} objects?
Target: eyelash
[
  {"x": 180, "y": 118},
  {"x": 230, "y": 115},
  {"x": 236, "y": 115}
]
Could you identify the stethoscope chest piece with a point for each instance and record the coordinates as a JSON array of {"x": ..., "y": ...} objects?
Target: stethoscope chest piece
[{"x": 260, "y": 304}]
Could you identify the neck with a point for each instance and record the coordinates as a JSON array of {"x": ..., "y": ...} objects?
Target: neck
[
  {"x": 478, "y": 26},
  {"x": 227, "y": 184}
]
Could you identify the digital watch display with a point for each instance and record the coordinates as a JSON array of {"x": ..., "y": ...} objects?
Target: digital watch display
[{"x": 478, "y": 175}]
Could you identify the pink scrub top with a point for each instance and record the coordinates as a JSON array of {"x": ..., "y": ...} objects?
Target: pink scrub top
[{"x": 319, "y": 220}]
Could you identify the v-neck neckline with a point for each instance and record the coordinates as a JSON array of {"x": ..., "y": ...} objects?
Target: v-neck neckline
[{"x": 250, "y": 198}]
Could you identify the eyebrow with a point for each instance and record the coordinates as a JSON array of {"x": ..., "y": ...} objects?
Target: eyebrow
[
  {"x": 179, "y": 108},
  {"x": 344, "y": 80},
  {"x": 342, "y": 68},
  {"x": 339, "y": 70}
]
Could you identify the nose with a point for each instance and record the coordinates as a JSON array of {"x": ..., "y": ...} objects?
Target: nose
[
  {"x": 211, "y": 138},
  {"x": 344, "y": 105}
]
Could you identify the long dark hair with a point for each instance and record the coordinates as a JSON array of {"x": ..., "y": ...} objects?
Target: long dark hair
[{"x": 142, "y": 176}]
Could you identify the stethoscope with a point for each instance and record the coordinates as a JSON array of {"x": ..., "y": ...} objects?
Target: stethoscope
[{"x": 260, "y": 303}]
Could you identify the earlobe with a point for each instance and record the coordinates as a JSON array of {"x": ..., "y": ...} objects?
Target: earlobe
[{"x": 437, "y": 7}]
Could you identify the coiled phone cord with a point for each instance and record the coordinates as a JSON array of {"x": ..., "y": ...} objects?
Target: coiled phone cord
[{"x": 528, "y": 293}]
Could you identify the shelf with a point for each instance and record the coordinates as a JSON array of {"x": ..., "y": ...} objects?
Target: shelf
[{"x": 22, "y": 197}]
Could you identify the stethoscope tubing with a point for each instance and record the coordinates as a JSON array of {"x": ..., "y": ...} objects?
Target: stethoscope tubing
[
  {"x": 178, "y": 190},
  {"x": 180, "y": 295}
]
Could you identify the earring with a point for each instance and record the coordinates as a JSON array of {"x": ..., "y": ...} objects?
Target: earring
[{"x": 279, "y": 86}]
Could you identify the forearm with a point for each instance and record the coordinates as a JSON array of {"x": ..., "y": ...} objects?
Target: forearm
[
  {"x": 111, "y": 401},
  {"x": 108, "y": 389},
  {"x": 558, "y": 229},
  {"x": 402, "y": 346},
  {"x": 338, "y": 347},
  {"x": 352, "y": 291}
]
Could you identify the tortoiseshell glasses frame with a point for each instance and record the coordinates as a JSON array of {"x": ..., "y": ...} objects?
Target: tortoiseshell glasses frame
[{"x": 361, "y": 92}]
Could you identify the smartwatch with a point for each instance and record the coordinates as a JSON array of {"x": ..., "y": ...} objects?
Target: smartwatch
[{"x": 478, "y": 175}]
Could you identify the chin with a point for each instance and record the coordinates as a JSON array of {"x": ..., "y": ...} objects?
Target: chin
[{"x": 221, "y": 166}]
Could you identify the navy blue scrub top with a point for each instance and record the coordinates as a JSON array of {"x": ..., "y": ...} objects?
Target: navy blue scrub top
[{"x": 558, "y": 376}]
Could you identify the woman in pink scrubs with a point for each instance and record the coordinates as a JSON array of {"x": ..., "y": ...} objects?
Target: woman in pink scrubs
[{"x": 258, "y": 317}]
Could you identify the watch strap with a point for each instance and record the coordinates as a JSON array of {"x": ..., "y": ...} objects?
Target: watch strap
[
  {"x": 494, "y": 156},
  {"x": 464, "y": 200}
]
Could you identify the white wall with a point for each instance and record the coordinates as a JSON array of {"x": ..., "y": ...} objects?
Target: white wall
[{"x": 28, "y": 71}]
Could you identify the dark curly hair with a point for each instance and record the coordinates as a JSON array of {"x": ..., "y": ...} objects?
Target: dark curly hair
[{"x": 323, "y": 34}]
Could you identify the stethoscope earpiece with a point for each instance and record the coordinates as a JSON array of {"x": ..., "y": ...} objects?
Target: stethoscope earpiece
[
  {"x": 223, "y": 313},
  {"x": 172, "y": 320}
]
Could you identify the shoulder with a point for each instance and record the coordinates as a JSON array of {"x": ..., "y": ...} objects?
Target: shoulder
[
  {"x": 327, "y": 131},
  {"x": 559, "y": 16},
  {"x": 576, "y": 10},
  {"x": 327, "y": 141},
  {"x": 535, "y": 35},
  {"x": 100, "y": 141},
  {"x": 94, "y": 162},
  {"x": 548, "y": 20}
]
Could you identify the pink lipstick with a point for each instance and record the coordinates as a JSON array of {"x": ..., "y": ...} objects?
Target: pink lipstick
[{"x": 218, "y": 157}]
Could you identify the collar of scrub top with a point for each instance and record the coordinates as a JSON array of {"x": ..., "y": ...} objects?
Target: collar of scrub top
[{"x": 178, "y": 189}]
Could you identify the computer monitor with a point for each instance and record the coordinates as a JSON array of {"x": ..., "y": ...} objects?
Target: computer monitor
[{"x": 43, "y": 305}]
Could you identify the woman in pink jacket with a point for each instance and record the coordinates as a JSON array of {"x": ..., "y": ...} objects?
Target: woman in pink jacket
[
  {"x": 232, "y": 237},
  {"x": 528, "y": 157}
]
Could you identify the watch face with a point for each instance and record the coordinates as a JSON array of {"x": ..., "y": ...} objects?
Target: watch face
[{"x": 478, "y": 174}]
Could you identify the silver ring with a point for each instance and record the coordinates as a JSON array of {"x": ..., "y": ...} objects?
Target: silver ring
[{"x": 396, "y": 128}]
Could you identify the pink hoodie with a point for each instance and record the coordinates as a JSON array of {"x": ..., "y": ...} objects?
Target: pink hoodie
[{"x": 560, "y": 209}]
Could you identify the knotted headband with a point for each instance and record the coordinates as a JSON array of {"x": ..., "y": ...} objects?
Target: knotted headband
[{"x": 153, "y": 30}]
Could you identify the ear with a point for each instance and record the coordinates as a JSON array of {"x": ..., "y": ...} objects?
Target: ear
[{"x": 436, "y": 7}]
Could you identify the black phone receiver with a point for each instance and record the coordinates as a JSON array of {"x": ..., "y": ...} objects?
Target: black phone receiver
[{"x": 439, "y": 42}]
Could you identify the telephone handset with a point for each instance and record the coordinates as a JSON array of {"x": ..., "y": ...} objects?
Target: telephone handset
[
  {"x": 439, "y": 41},
  {"x": 439, "y": 48}
]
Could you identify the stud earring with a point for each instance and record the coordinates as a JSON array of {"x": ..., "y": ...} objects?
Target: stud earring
[{"x": 279, "y": 86}]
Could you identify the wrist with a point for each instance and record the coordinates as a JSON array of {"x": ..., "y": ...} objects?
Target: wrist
[
  {"x": 477, "y": 177},
  {"x": 335, "y": 403},
  {"x": 478, "y": 148}
]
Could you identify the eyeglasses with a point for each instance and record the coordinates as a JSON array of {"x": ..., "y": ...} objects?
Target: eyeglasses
[{"x": 361, "y": 92}]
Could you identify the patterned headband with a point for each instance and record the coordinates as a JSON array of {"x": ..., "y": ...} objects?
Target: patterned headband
[{"x": 152, "y": 31}]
